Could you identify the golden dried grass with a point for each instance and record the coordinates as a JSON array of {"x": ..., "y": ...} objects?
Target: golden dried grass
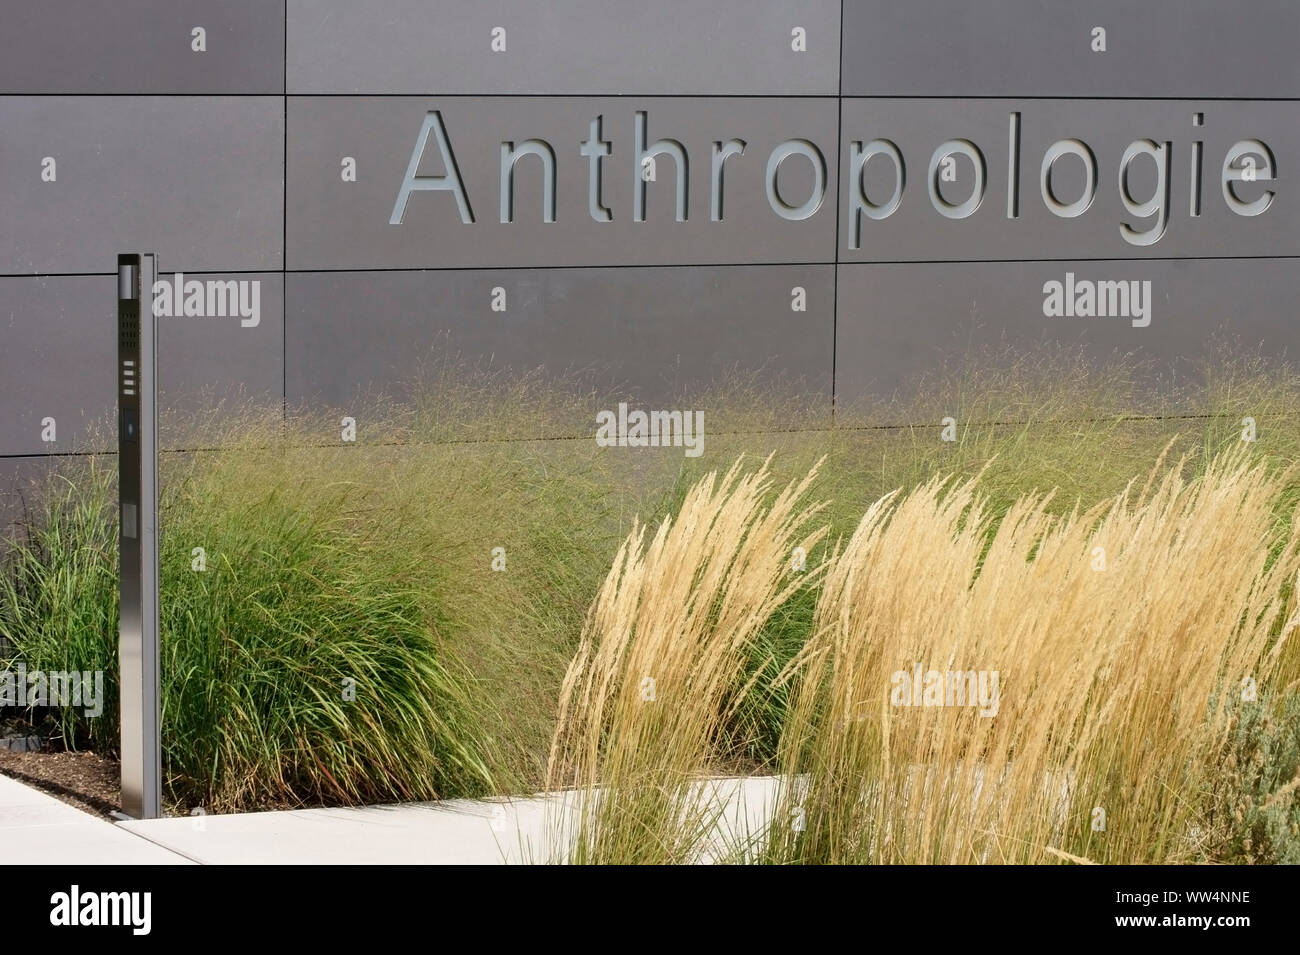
[{"x": 655, "y": 676}]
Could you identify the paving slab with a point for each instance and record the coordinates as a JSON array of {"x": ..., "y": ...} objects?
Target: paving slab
[
  {"x": 454, "y": 832},
  {"x": 37, "y": 829}
]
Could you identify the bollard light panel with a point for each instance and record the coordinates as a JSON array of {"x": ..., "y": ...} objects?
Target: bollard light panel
[{"x": 138, "y": 535}]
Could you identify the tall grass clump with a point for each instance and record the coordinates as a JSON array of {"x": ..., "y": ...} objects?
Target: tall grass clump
[
  {"x": 1124, "y": 638},
  {"x": 514, "y": 517},
  {"x": 450, "y": 561},
  {"x": 58, "y": 594},
  {"x": 345, "y": 636},
  {"x": 298, "y": 665},
  {"x": 649, "y": 691},
  {"x": 303, "y": 664}
]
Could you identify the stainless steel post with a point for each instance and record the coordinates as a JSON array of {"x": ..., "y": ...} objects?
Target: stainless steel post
[{"x": 137, "y": 340}]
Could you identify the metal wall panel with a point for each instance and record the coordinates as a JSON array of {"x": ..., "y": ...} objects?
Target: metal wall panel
[
  {"x": 1183, "y": 48},
  {"x": 658, "y": 305},
  {"x": 336, "y": 224},
  {"x": 902, "y": 321},
  {"x": 656, "y": 331},
  {"x": 59, "y": 358},
  {"x": 920, "y": 129},
  {"x": 200, "y": 179},
  {"x": 564, "y": 46},
  {"x": 142, "y": 46}
]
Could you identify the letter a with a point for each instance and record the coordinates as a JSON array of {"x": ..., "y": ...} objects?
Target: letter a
[{"x": 451, "y": 181}]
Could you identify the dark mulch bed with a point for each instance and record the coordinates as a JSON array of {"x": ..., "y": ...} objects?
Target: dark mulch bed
[{"x": 89, "y": 782}]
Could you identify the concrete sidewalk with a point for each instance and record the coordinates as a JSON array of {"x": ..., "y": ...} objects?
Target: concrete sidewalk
[
  {"x": 36, "y": 829},
  {"x": 455, "y": 832}
]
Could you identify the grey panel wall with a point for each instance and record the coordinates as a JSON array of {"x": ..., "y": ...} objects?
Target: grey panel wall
[
  {"x": 142, "y": 46},
  {"x": 278, "y": 153},
  {"x": 656, "y": 332},
  {"x": 898, "y": 322},
  {"x": 335, "y": 224},
  {"x": 1176, "y": 48},
  {"x": 1012, "y": 138},
  {"x": 595, "y": 47},
  {"x": 60, "y": 355},
  {"x": 199, "y": 179}
]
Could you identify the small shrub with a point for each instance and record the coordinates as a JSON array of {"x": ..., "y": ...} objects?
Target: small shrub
[{"x": 1253, "y": 816}]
